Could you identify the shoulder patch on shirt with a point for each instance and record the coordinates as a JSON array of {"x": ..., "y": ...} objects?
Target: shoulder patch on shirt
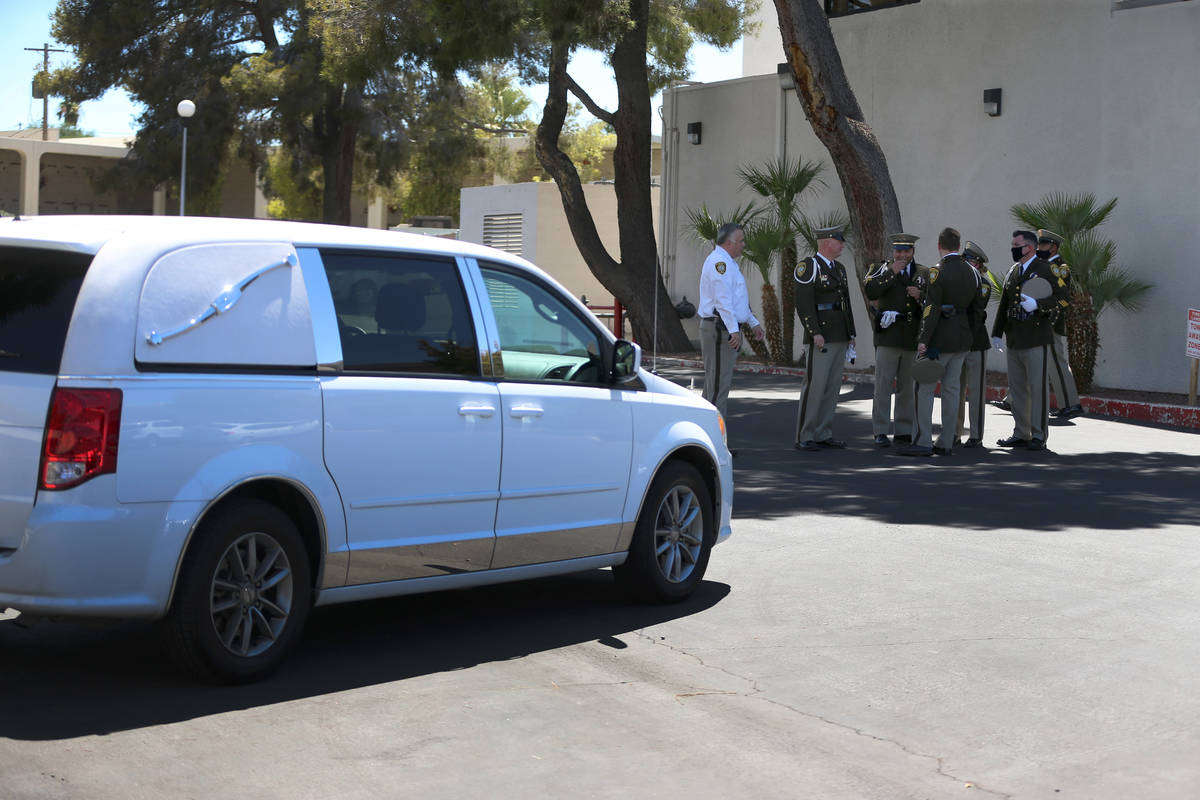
[
  {"x": 933, "y": 274},
  {"x": 805, "y": 271},
  {"x": 720, "y": 267}
]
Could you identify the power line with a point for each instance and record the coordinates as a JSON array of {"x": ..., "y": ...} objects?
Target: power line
[{"x": 45, "y": 50}]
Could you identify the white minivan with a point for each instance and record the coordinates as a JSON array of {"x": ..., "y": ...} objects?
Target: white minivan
[{"x": 221, "y": 423}]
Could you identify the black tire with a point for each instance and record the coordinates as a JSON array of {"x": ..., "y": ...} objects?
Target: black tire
[
  {"x": 243, "y": 596},
  {"x": 673, "y": 537}
]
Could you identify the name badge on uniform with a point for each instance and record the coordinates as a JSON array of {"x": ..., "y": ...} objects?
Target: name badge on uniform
[{"x": 720, "y": 267}]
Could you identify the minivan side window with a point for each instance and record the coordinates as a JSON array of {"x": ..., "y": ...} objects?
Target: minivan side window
[
  {"x": 401, "y": 314},
  {"x": 38, "y": 289},
  {"x": 541, "y": 337}
]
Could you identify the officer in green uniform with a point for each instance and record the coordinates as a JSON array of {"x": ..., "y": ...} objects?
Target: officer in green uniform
[
  {"x": 895, "y": 290},
  {"x": 1062, "y": 382},
  {"x": 1027, "y": 323},
  {"x": 822, "y": 293},
  {"x": 974, "y": 375},
  {"x": 945, "y": 335}
]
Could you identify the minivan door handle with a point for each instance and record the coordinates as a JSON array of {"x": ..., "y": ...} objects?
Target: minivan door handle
[
  {"x": 526, "y": 411},
  {"x": 470, "y": 410}
]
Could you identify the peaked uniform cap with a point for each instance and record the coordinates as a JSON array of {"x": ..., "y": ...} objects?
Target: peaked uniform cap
[
  {"x": 836, "y": 232},
  {"x": 974, "y": 252},
  {"x": 903, "y": 239},
  {"x": 1050, "y": 236}
]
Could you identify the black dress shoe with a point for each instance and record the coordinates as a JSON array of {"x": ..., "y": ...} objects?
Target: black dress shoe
[
  {"x": 916, "y": 450},
  {"x": 1004, "y": 404},
  {"x": 902, "y": 438},
  {"x": 810, "y": 445},
  {"x": 832, "y": 444},
  {"x": 882, "y": 440},
  {"x": 1070, "y": 412},
  {"x": 1035, "y": 444},
  {"x": 1012, "y": 441},
  {"x": 973, "y": 443},
  {"x": 942, "y": 451}
]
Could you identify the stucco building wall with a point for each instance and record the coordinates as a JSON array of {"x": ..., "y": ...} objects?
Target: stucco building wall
[{"x": 1094, "y": 100}]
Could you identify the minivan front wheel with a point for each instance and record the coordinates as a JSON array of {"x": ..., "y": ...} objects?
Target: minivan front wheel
[
  {"x": 243, "y": 596},
  {"x": 673, "y": 538}
]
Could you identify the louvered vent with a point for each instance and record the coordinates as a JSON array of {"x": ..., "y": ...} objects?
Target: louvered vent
[{"x": 503, "y": 232}]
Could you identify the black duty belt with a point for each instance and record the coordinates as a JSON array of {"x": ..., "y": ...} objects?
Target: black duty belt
[
  {"x": 829, "y": 306},
  {"x": 948, "y": 310},
  {"x": 720, "y": 321}
]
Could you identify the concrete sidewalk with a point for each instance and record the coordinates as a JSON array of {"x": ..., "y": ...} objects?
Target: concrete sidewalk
[{"x": 1157, "y": 413}]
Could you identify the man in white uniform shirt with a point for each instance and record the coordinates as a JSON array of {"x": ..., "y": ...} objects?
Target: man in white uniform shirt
[{"x": 724, "y": 306}]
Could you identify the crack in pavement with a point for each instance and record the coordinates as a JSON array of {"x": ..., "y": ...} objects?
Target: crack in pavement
[{"x": 758, "y": 693}]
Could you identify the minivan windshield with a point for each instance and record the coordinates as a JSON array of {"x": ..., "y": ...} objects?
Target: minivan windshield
[{"x": 38, "y": 288}]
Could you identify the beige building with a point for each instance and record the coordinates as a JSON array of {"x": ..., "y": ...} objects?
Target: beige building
[
  {"x": 55, "y": 177},
  {"x": 527, "y": 219},
  {"x": 1096, "y": 96}
]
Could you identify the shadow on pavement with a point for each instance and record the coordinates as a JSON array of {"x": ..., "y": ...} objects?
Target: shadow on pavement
[
  {"x": 972, "y": 489},
  {"x": 65, "y": 680}
]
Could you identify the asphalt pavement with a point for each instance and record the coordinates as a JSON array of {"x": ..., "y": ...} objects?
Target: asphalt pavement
[{"x": 995, "y": 623}]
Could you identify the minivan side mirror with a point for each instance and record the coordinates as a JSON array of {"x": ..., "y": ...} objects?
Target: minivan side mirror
[{"x": 626, "y": 360}]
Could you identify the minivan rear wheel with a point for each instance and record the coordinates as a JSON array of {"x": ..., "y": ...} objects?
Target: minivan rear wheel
[
  {"x": 672, "y": 539},
  {"x": 243, "y": 595}
]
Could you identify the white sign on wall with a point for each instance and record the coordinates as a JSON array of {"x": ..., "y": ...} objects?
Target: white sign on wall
[{"x": 1193, "y": 333}]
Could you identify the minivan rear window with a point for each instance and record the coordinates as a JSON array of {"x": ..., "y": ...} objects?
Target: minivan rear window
[{"x": 38, "y": 288}]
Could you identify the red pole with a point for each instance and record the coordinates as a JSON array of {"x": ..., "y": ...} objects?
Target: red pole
[{"x": 618, "y": 318}]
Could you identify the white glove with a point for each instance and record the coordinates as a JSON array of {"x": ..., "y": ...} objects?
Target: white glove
[
  {"x": 1028, "y": 304},
  {"x": 998, "y": 344},
  {"x": 887, "y": 318},
  {"x": 850, "y": 354}
]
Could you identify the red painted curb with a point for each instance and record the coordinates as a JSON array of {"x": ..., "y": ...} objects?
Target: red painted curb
[{"x": 1158, "y": 413}]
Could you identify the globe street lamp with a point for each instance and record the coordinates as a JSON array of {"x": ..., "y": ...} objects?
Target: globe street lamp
[{"x": 185, "y": 108}]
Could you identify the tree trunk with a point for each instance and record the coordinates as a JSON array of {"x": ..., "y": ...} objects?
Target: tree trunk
[
  {"x": 635, "y": 280},
  {"x": 336, "y": 130},
  {"x": 837, "y": 120},
  {"x": 770, "y": 310},
  {"x": 1083, "y": 340},
  {"x": 787, "y": 278}
]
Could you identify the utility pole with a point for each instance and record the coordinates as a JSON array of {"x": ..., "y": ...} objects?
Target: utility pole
[{"x": 45, "y": 50}]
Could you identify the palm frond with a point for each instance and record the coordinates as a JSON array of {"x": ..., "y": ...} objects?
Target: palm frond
[
  {"x": 1065, "y": 214},
  {"x": 703, "y": 224},
  {"x": 1116, "y": 286},
  {"x": 1088, "y": 254},
  {"x": 783, "y": 181},
  {"x": 763, "y": 241}
]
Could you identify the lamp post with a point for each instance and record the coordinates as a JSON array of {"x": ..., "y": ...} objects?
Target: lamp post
[{"x": 186, "y": 109}]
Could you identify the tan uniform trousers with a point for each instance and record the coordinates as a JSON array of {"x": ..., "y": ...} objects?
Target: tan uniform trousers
[
  {"x": 719, "y": 360},
  {"x": 951, "y": 383},
  {"x": 1027, "y": 392},
  {"x": 1062, "y": 382},
  {"x": 893, "y": 365},
  {"x": 974, "y": 392},
  {"x": 819, "y": 397}
]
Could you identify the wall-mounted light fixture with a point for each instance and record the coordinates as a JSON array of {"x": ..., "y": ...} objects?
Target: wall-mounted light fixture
[
  {"x": 693, "y": 132},
  {"x": 991, "y": 102},
  {"x": 786, "y": 80}
]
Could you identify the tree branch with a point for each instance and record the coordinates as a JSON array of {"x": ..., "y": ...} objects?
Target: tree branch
[{"x": 588, "y": 103}]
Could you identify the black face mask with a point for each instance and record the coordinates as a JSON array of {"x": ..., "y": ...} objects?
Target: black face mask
[
  {"x": 1017, "y": 253},
  {"x": 1044, "y": 254}
]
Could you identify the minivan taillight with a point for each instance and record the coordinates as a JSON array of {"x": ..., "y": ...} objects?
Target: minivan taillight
[{"x": 81, "y": 436}]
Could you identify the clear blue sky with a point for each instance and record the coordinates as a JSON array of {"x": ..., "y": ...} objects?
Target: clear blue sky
[{"x": 26, "y": 23}]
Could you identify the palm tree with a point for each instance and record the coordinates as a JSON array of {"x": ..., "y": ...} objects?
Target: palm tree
[
  {"x": 781, "y": 182},
  {"x": 763, "y": 241},
  {"x": 1096, "y": 282}
]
